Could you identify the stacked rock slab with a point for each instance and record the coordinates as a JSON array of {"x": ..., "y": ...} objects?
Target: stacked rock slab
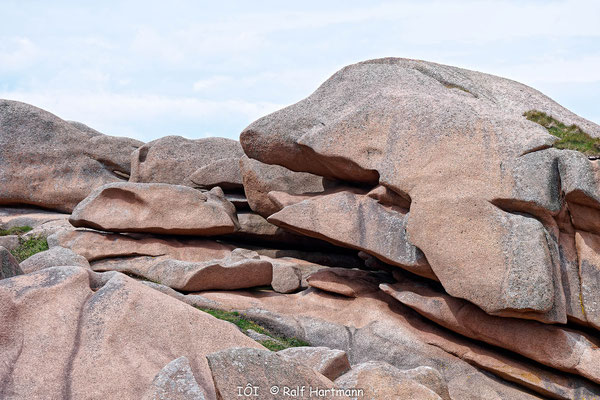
[
  {"x": 50, "y": 163},
  {"x": 456, "y": 143}
]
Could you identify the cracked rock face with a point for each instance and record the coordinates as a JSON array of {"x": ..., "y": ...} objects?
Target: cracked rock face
[
  {"x": 49, "y": 162},
  {"x": 110, "y": 337},
  {"x": 483, "y": 190}
]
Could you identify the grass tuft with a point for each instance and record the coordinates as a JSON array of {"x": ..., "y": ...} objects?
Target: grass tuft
[
  {"x": 571, "y": 137},
  {"x": 29, "y": 247},
  {"x": 15, "y": 230},
  {"x": 278, "y": 343}
]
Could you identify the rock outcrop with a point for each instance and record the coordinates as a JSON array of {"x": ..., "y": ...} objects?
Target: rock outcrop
[
  {"x": 410, "y": 230},
  {"x": 50, "y": 163},
  {"x": 455, "y": 144}
]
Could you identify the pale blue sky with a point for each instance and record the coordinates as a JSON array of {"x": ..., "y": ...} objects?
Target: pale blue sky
[{"x": 147, "y": 69}]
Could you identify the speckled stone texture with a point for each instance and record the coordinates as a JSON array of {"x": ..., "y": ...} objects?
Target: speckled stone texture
[
  {"x": 482, "y": 183},
  {"x": 49, "y": 162}
]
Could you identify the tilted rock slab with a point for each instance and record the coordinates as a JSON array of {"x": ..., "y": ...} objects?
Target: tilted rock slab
[
  {"x": 357, "y": 221},
  {"x": 156, "y": 208},
  {"x": 96, "y": 246},
  {"x": 180, "y": 161},
  {"x": 561, "y": 348},
  {"x": 49, "y": 162},
  {"x": 239, "y": 269},
  {"x": 72, "y": 333},
  {"x": 455, "y": 142}
]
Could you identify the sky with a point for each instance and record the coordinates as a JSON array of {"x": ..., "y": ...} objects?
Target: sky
[{"x": 147, "y": 69}]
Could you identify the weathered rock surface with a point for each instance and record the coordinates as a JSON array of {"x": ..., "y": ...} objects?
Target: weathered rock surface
[
  {"x": 224, "y": 173},
  {"x": 156, "y": 208},
  {"x": 175, "y": 160},
  {"x": 262, "y": 369},
  {"x": 456, "y": 143},
  {"x": 50, "y": 163},
  {"x": 27, "y": 216},
  {"x": 239, "y": 269},
  {"x": 259, "y": 179},
  {"x": 328, "y": 362},
  {"x": 79, "y": 330},
  {"x": 370, "y": 328},
  {"x": 347, "y": 282},
  {"x": 561, "y": 348},
  {"x": 54, "y": 257},
  {"x": 357, "y": 221},
  {"x": 291, "y": 274},
  {"x": 175, "y": 381},
  {"x": 588, "y": 250},
  {"x": 10, "y": 266},
  {"x": 381, "y": 380},
  {"x": 96, "y": 246},
  {"x": 9, "y": 242}
]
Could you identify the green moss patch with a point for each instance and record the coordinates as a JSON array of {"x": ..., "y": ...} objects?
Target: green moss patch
[
  {"x": 29, "y": 247},
  {"x": 571, "y": 137},
  {"x": 278, "y": 342},
  {"x": 15, "y": 230}
]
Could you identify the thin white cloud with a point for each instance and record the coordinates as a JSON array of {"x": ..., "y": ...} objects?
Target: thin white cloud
[{"x": 17, "y": 53}]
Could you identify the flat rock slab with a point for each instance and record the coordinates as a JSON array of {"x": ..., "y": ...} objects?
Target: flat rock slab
[
  {"x": 20, "y": 216},
  {"x": 266, "y": 371},
  {"x": 79, "y": 330},
  {"x": 51, "y": 163},
  {"x": 239, "y": 269},
  {"x": 330, "y": 363},
  {"x": 54, "y": 257},
  {"x": 156, "y": 208},
  {"x": 347, "y": 282},
  {"x": 97, "y": 245},
  {"x": 176, "y": 160}
]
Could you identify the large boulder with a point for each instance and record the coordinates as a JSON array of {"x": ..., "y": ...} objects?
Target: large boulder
[
  {"x": 68, "y": 332},
  {"x": 50, "y": 163},
  {"x": 457, "y": 145},
  {"x": 156, "y": 208},
  {"x": 330, "y": 363},
  {"x": 179, "y": 161}
]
